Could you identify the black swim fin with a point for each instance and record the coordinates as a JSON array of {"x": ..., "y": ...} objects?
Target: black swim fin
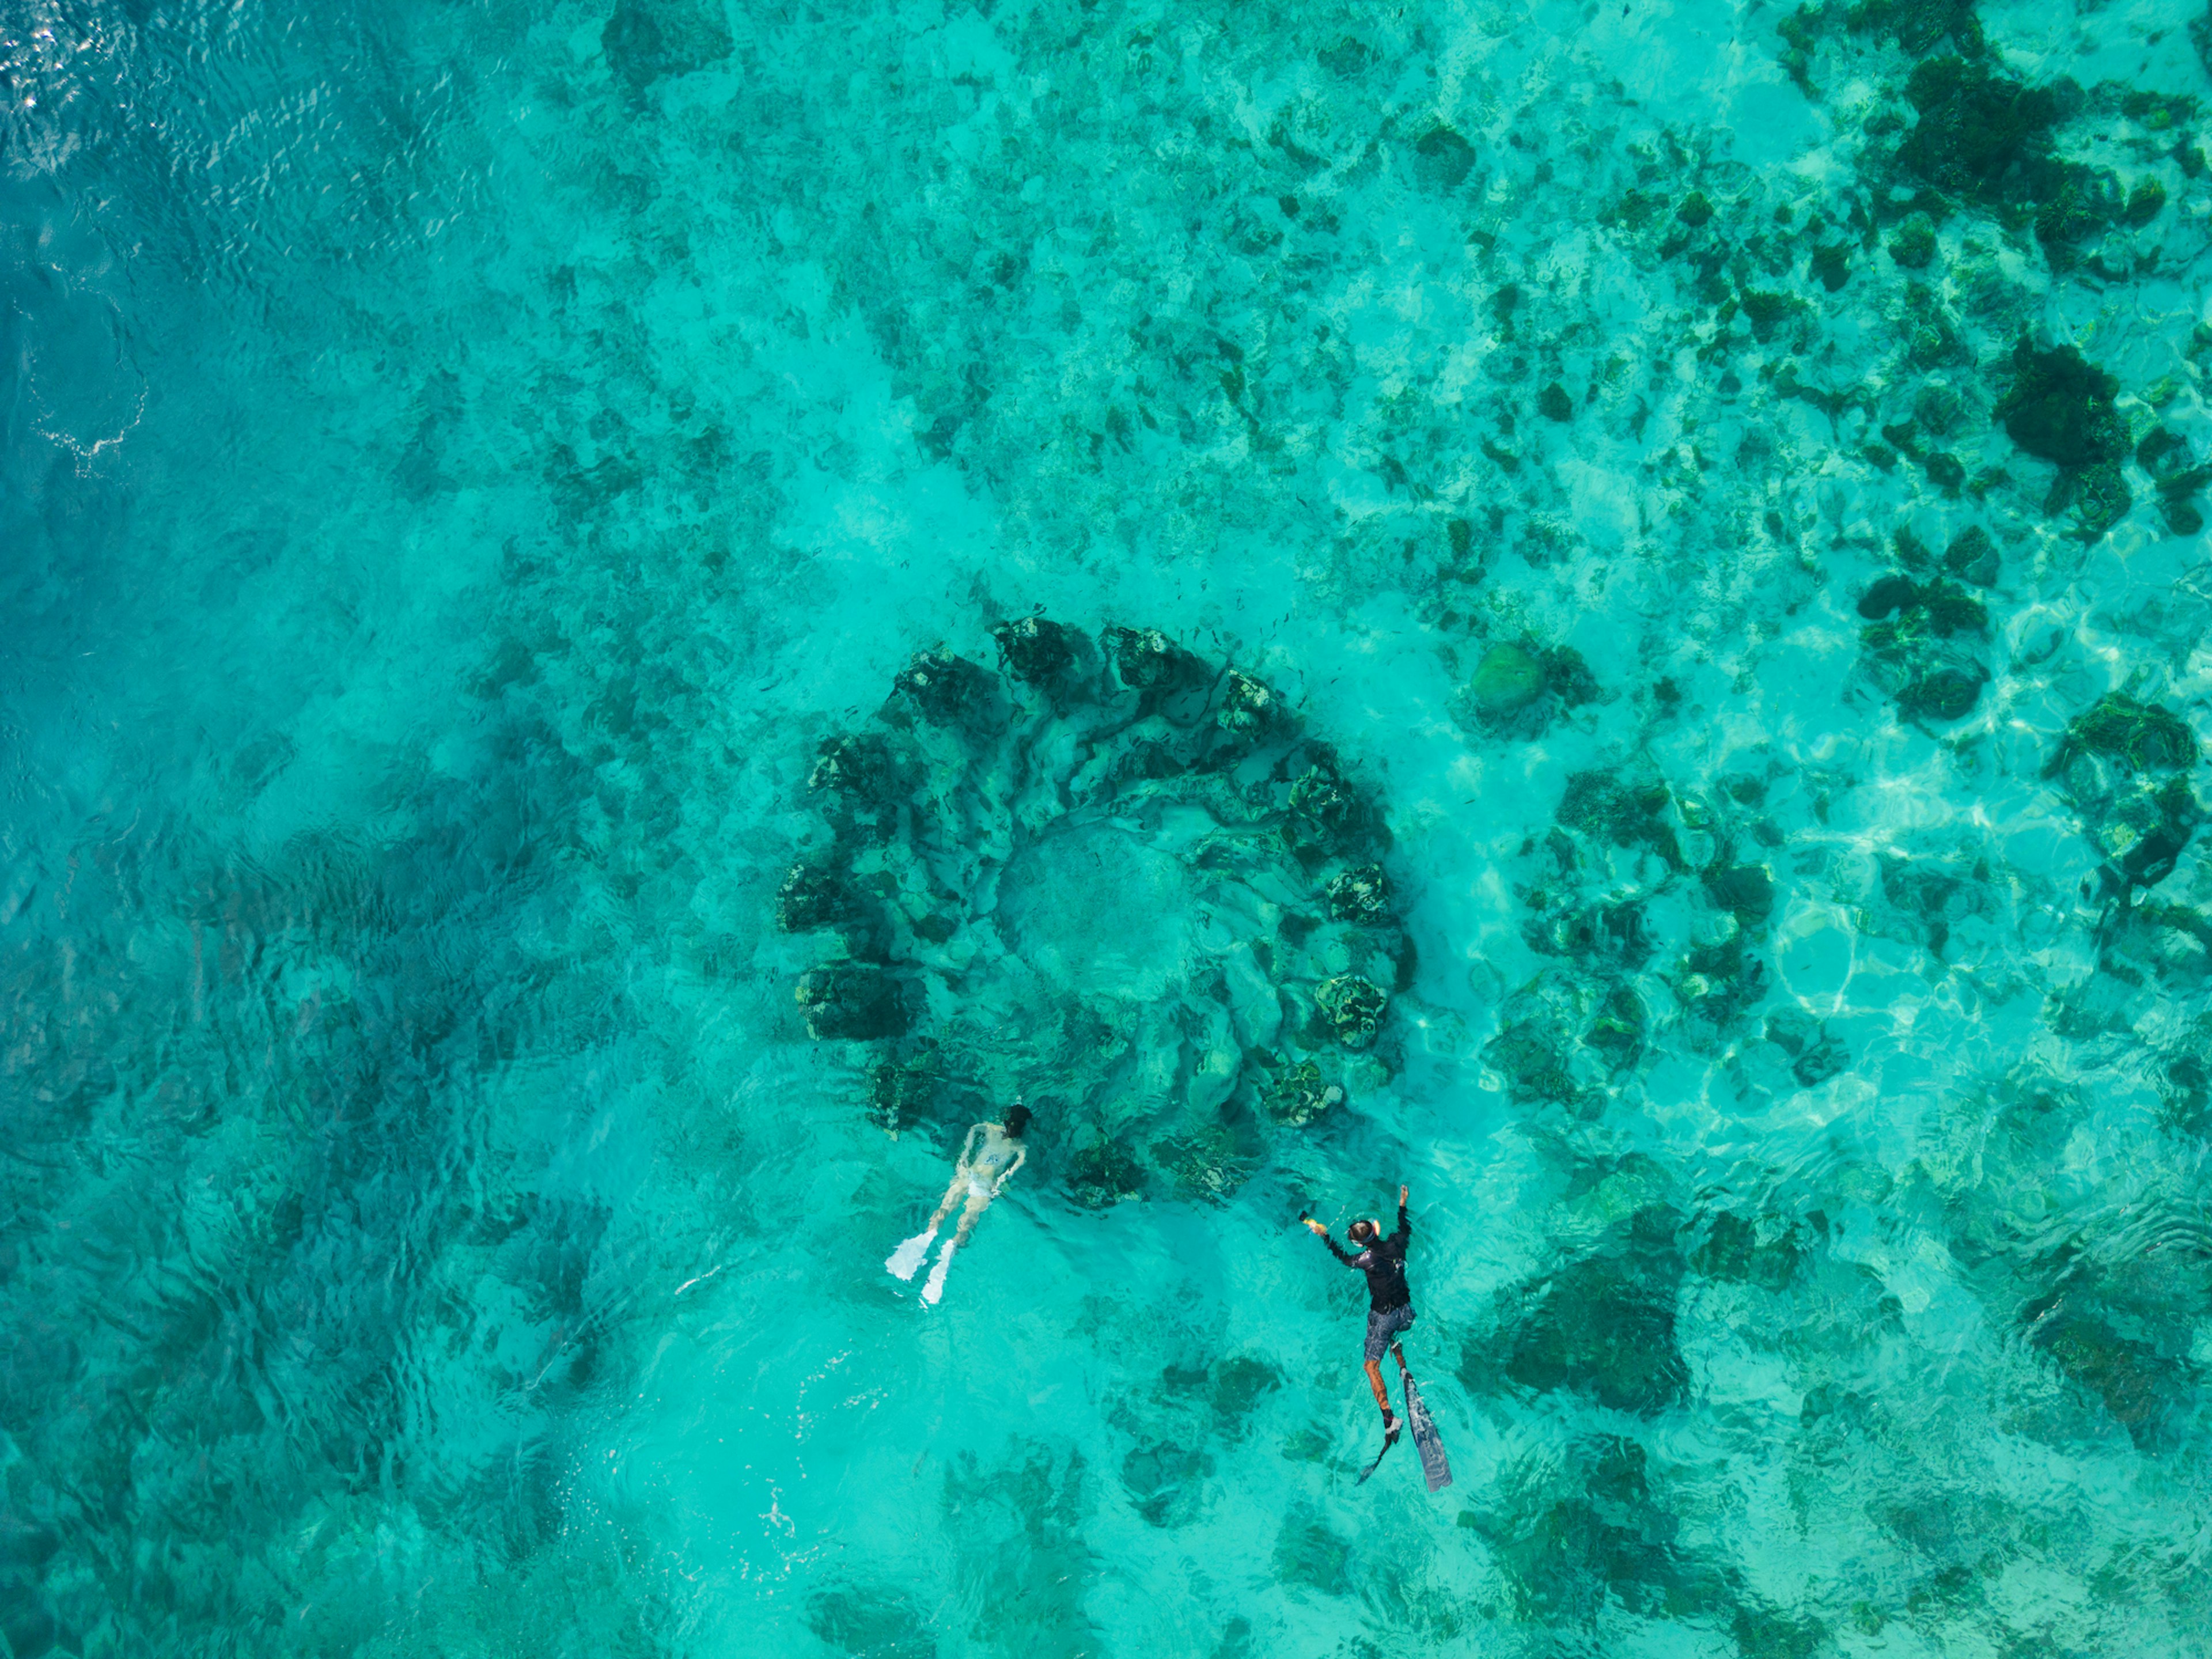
[
  {"x": 1389, "y": 1441},
  {"x": 1434, "y": 1464}
]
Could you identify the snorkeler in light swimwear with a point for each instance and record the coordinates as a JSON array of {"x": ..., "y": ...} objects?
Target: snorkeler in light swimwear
[{"x": 988, "y": 1157}]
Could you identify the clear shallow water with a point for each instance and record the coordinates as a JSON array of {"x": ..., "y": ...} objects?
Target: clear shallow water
[{"x": 462, "y": 464}]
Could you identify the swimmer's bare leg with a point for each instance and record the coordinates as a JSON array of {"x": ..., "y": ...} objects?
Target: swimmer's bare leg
[
  {"x": 945, "y": 1205},
  {"x": 906, "y": 1261},
  {"x": 978, "y": 1203}
]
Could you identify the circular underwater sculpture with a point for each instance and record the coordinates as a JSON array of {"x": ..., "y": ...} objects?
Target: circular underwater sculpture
[{"x": 1115, "y": 876}]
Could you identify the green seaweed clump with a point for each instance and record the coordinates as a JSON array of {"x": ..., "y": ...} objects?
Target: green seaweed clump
[
  {"x": 2061, "y": 408},
  {"x": 2125, "y": 765},
  {"x": 1972, "y": 558},
  {"x": 2145, "y": 201},
  {"x": 1353, "y": 1008}
]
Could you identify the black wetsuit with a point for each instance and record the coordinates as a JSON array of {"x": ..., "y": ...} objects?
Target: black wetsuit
[
  {"x": 1389, "y": 1304},
  {"x": 1384, "y": 1263}
]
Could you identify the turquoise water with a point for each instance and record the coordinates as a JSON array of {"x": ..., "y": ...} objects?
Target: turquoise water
[{"x": 1622, "y": 585}]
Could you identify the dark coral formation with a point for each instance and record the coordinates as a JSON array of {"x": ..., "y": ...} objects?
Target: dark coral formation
[
  {"x": 1013, "y": 869},
  {"x": 2125, "y": 765},
  {"x": 1925, "y": 643}
]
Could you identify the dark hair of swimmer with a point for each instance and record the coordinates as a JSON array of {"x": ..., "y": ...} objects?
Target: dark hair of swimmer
[
  {"x": 1017, "y": 1120},
  {"x": 1363, "y": 1232}
]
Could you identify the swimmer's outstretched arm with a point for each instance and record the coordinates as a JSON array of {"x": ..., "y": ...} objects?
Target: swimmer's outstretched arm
[{"x": 1021, "y": 1158}]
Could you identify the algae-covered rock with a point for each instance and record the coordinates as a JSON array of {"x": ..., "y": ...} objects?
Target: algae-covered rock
[
  {"x": 1618, "y": 1030},
  {"x": 2124, "y": 767},
  {"x": 1553, "y": 404},
  {"x": 1101, "y": 1173},
  {"x": 1978, "y": 131},
  {"x": 1148, "y": 660},
  {"x": 1627, "y": 812},
  {"x": 1036, "y": 650},
  {"x": 1912, "y": 244},
  {"x": 1601, "y": 1325},
  {"x": 1441, "y": 158},
  {"x": 1208, "y": 1162},
  {"x": 859, "y": 768},
  {"x": 1972, "y": 557},
  {"x": 1296, "y": 1095},
  {"x": 2166, "y": 455},
  {"x": 904, "y": 1092},
  {"x": 945, "y": 688},
  {"x": 1923, "y": 649},
  {"x": 2060, "y": 408},
  {"x": 2146, "y": 202},
  {"x": 1748, "y": 890},
  {"x": 1695, "y": 210},
  {"x": 1353, "y": 1008},
  {"x": 1359, "y": 893},
  {"x": 646, "y": 39},
  {"x": 852, "y": 999},
  {"x": 1248, "y": 708},
  {"x": 1507, "y": 678},
  {"x": 1576, "y": 1535},
  {"x": 815, "y": 896},
  {"x": 1322, "y": 802}
]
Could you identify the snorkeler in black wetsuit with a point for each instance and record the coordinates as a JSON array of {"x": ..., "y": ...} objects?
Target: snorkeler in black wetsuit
[{"x": 1391, "y": 1305}]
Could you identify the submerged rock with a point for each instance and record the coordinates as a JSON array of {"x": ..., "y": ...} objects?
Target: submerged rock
[
  {"x": 1296, "y": 1095},
  {"x": 852, "y": 1000},
  {"x": 1441, "y": 158},
  {"x": 2124, "y": 767},
  {"x": 1507, "y": 678},
  {"x": 1148, "y": 660},
  {"x": 813, "y": 897},
  {"x": 1360, "y": 894},
  {"x": 1602, "y": 1324},
  {"x": 1250, "y": 710},
  {"x": 1912, "y": 245},
  {"x": 1925, "y": 649},
  {"x": 945, "y": 688},
  {"x": 858, "y": 768},
  {"x": 1353, "y": 1008},
  {"x": 1037, "y": 651}
]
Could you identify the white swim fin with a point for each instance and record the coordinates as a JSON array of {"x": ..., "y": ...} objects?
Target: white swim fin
[
  {"x": 933, "y": 1291},
  {"x": 906, "y": 1261}
]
